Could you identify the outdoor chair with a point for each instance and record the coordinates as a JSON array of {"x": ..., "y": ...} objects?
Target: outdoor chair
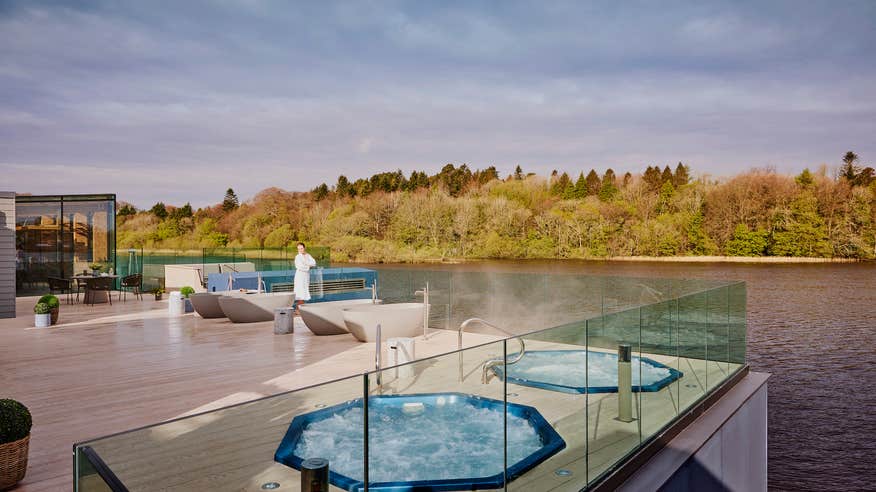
[
  {"x": 62, "y": 286},
  {"x": 132, "y": 282},
  {"x": 99, "y": 284}
]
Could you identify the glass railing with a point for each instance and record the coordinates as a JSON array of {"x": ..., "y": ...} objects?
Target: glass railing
[{"x": 559, "y": 381}]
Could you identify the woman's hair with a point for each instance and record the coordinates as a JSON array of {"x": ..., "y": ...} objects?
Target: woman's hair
[{"x": 302, "y": 245}]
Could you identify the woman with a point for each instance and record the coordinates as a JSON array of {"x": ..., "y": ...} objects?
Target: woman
[{"x": 303, "y": 263}]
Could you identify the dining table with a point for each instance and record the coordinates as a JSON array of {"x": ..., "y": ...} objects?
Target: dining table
[{"x": 88, "y": 292}]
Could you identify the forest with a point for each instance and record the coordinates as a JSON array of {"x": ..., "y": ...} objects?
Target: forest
[{"x": 460, "y": 213}]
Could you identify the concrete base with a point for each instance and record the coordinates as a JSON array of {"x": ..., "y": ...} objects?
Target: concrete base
[{"x": 724, "y": 449}]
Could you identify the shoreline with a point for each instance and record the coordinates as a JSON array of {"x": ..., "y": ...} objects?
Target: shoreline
[{"x": 640, "y": 259}]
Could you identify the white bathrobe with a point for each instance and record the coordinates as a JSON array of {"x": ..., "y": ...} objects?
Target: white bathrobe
[{"x": 303, "y": 264}]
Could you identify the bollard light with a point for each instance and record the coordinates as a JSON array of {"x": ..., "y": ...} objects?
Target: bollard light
[{"x": 624, "y": 383}]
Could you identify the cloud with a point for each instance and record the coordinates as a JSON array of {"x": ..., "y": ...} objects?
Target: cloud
[{"x": 177, "y": 101}]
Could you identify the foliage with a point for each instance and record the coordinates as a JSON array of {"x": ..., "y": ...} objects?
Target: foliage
[
  {"x": 95, "y": 266},
  {"x": 158, "y": 290},
  {"x": 42, "y": 308},
  {"x": 230, "y": 202},
  {"x": 51, "y": 300},
  {"x": 747, "y": 243},
  {"x": 465, "y": 213},
  {"x": 15, "y": 421},
  {"x": 159, "y": 210},
  {"x": 187, "y": 291}
]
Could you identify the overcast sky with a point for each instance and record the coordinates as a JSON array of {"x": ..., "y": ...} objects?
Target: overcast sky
[{"x": 177, "y": 101}]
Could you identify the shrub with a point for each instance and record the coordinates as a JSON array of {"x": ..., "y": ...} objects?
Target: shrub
[
  {"x": 51, "y": 300},
  {"x": 15, "y": 421},
  {"x": 187, "y": 291},
  {"x": 42, "y": 308}
]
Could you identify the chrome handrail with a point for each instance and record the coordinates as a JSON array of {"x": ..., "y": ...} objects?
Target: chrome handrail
[
  {"x": 485, "y": 377},
  {"x": 377, "y": 355}
]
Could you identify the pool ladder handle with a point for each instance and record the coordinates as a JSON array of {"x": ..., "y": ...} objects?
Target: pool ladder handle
[{"x": 490, "y": 363}]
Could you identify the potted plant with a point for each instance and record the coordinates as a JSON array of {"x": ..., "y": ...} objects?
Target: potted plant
[
  {"x": 54, "y": 306},
  {"x": 186, "y": 292},
  {"x": 95, "y": 268},
  {"x": 42, "y": 315},
  {"x": 15, "y": 423},
  {"x": 158, "y": 291}
]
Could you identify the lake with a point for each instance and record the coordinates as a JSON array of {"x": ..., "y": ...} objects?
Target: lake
[{"x": 812, "y": 327}]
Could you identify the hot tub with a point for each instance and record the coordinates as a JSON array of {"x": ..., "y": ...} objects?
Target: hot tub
[
  {"x": 435, "y": 441},
  {"x": 395, "y": 320},
  {"x": 563, "y": 371}
]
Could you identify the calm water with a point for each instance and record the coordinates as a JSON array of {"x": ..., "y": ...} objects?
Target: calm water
[{"x": 812, "y": 327}]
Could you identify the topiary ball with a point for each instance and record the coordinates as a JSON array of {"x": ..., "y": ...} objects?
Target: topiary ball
[
  {"x": 51, "y": 300},
  {"x": 15, "y": 421}
]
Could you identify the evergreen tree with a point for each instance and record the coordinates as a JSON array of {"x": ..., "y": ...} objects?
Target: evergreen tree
[
  {"x": 665, "y": 201},
  {"x": 682, "y": 175},
  {"x": 628, "y": 178},
  {"x": 230, "y": 202},
  {"x": 592, "y": 183},
  {"x": 805, "y": 178},
  {"x": 849, "y": 170},
  {"x": 159, "y": 210},
  {"x": 608, "y": 190},
  {"x": 667, "y": 176},
  {"x": 518, "y": 173},
  {"x": 320, "y": 192},
  {"x": 343, "y": 187},
  {"x": 126, "y": 210},
  {"x": 652, "y": 178},
  {"x": 580, "y": 186},
  {"x": 558, "y": 188}
]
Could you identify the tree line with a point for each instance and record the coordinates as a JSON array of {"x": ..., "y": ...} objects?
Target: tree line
[{"x": 464, "y": 213}]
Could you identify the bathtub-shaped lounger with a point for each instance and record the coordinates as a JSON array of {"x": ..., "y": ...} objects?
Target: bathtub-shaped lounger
[
  {"x": 326, "y": 318},
  {"x": 207, "y": 304},
  {"x": 396, "y": 320},
  {"x": 250, "y": 308}
]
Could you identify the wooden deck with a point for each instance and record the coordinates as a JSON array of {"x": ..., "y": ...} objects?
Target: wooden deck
[{"x": 108, "y": 369}]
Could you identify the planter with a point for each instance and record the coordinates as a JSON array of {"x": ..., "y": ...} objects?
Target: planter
[
  {"x": 42, "y": 320},
  {"x": 189, "y": 308},
  {"x": 13, "y": 462},
  {"x": 157, "y": 297},
  {"x": 55, "y": 312}
]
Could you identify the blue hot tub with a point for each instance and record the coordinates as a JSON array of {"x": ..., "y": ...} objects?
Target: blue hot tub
[
  {"x": 435, "y": 441},
  {"x": 564, "y": 371}
]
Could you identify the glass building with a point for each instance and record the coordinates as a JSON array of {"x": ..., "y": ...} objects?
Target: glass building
[{"x": 61, "y": 235}]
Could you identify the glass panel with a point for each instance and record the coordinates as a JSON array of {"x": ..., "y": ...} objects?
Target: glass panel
[
  {"x": 88, "y": 236},
  {"x": 657, "y": 381},
  {"x": 243, "y": 447},
  {"x": 38, "y": 246},
  {"x": 435, "y": 421},
  {"x": 736, "y": 296},
  {"x": 86, "y": 478},
  {"x": 613, "y": 413},
  {"x": 717, "y": 342},
  {"x": 552, "y": 378},
  {"x": 692, "y": 331}
]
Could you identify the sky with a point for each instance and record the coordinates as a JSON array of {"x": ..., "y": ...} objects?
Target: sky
[{"x": 177, "y": 101}]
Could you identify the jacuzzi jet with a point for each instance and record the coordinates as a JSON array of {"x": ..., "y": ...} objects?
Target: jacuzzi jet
[
  {"x": 512, "y": 395},
  {"x": 563, "y": 473},
  {"x": 270, "y": 486},
  {"x": 320, "y": 405}
]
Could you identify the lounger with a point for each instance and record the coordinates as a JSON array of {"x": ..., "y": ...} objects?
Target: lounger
[
  {"x": 326, "y": 318},
  {"x": 252, "y": 308},
  {"x": 207, "y": 304}
]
